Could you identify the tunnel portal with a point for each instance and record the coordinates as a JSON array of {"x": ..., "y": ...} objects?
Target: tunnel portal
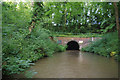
[{"x": 72, "y": 45}]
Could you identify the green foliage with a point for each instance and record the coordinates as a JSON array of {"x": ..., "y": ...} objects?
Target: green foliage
[
  {"x": 20, "y": 47},
  {"x": 107, "y": 25},
  {"x": 27, "y": 49},
  {"x": 108, "y": 28},
  {"x": 14, "y": 65},
  {"x": 30, "y": 74},
  {"x": 64, "y": 34},
  {"x": 61, "y": 48},
  {"x": 104, "y": 46},
  {"x": 79, "y": 17}
]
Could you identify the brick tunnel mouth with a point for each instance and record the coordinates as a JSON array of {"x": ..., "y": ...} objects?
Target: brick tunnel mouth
[{"x": 72, "y": 45}]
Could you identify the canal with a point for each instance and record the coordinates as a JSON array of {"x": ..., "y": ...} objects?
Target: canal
[{"x": 73, "y": 64}]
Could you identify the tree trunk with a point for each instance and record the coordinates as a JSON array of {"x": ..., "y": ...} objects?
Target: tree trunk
[
  {"x": 118, "y": 27},
  {"x": 117, "y": 19}
]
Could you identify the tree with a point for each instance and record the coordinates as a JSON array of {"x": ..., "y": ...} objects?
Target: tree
[
  {"x": 79, "y": 17},
  {"x": 117, "y": 18},
  {"x": 37, "y": 14}
]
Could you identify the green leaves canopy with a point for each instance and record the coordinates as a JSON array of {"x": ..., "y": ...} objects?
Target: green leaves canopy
[{"x": 75, "y": 16}]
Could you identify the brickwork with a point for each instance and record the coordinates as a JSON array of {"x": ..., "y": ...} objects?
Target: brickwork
[{"x": 81, "y": 41}]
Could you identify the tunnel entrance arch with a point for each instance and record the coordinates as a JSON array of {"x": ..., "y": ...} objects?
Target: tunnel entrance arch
[{"x": 72, "y": 45}]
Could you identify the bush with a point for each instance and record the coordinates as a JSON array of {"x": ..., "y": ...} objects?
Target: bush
[
  {"x": 19, "y": 50},
  {"x": 61, "y": 48},
  {"x": 105, "y": 46},
  {"x": 14, "y": 65},
  {"x": 20, "y": 47}
]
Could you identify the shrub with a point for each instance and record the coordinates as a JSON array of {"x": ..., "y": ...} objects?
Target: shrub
[
  {"x": 20, "y": 47},
  {"x": 104, "y": 46},
  {"x": 19, "y": 51},
  {"x": 61, "y": 48}
]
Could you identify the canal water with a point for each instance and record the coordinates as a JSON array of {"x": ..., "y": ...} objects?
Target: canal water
[{"x": 73, "y": 64}]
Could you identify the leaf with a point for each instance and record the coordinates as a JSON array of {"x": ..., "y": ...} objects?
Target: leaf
[
  {"x": 103, "y": 23},
  {"x": 48, "y": 12}
]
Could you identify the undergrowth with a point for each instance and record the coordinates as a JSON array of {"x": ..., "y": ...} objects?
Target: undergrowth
[
  {"x": 107, "y": 46},
  {"x": 20, "y": 49}
]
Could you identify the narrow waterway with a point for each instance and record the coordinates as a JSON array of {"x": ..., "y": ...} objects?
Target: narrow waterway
[{"x": 73, "y": 64}]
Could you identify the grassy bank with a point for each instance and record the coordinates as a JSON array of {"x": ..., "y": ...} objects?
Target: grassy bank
[
  {"x": 83, "y": 35},
  {"x": 107, "y": 46}
]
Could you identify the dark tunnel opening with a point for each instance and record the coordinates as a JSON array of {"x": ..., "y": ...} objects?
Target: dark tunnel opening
[{"x": 72, "y": 45}]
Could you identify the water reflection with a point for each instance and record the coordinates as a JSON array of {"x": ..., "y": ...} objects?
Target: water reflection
[
  {"x": 75, "y": 64},
  {"x": 80, "y": 57}
]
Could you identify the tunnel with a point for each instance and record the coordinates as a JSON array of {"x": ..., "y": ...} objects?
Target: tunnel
[{"x": 72, "y": 45}]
